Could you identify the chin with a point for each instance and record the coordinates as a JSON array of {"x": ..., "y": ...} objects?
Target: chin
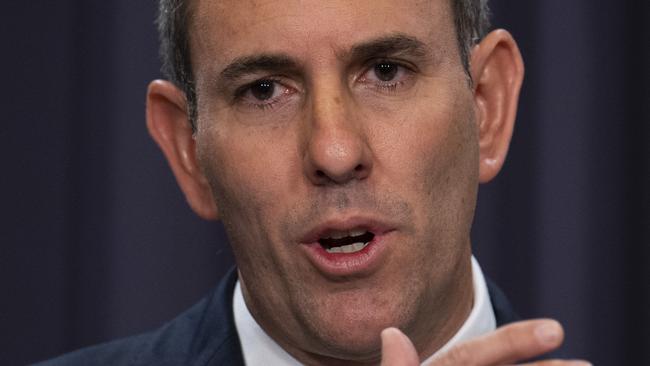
[
  {"x": 354, "y": 332},
  {"x": 360, "y": 345}
]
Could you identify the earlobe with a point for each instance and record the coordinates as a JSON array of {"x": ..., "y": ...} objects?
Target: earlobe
[
  {"x": 497, "y": 72},
  {"x": 169, "y": 126}
]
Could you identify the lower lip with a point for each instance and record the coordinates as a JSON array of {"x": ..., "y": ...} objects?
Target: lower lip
[{"x": 360, "y": 263}]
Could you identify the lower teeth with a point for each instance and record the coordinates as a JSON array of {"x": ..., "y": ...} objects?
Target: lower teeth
[{"x": 352, "y": 248}]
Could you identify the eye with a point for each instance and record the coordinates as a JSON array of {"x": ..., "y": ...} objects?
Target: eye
[
  {"x": 386, "y": 71},
  {"x": 263, "y": 89},
  {"x": 263, "y": 93},
  {"x": 386, "y": 75}
]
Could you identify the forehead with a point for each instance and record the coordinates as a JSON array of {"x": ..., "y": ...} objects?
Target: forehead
[{"x": 227, "y": 29}]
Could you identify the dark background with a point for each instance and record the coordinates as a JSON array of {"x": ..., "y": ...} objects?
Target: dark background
[{"x": 97, "y": 242}]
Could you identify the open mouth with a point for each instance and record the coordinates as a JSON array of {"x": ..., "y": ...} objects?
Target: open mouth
[
  {"x": 346, "y": 241},
  {"x": 348, "y": 246}
]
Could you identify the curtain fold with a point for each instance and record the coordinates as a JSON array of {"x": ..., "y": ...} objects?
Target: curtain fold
[{"x": 97, "y": 242}]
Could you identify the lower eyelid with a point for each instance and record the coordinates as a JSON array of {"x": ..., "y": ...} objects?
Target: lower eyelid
[
  {"x": 391, "y": 85},
  {"x": 278, "y": 102},
  {"x": 403, "y": 82}
]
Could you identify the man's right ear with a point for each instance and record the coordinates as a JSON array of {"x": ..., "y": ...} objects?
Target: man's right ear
[{"x": 169, "y": 125}]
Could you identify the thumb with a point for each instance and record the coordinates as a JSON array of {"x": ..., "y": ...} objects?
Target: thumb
[{"x": 397, "y": 349}]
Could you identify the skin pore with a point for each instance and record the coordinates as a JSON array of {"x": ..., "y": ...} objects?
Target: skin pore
[{"x": 316, "y": 114}]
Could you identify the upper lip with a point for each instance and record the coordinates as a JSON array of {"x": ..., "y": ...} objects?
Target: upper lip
[{"x": 342, "y": 224}]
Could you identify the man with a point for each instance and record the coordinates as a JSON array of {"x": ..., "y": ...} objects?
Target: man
[{"x": 342, "y": 144}]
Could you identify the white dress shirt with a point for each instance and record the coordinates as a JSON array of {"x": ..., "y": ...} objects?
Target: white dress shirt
[{"x": 259, "y": 349}]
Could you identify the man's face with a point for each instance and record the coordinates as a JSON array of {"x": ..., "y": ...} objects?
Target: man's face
[{"x": 328, "y": 123}]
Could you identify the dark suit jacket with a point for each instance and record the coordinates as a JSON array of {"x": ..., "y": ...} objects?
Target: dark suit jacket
[{"x": 204, "y": 335}]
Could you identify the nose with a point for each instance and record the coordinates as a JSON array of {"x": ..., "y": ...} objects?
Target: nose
[{"x": 337, "y": 149}]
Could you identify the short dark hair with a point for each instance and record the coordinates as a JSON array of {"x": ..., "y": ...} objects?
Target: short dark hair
[{"x": 471, "y": 18}]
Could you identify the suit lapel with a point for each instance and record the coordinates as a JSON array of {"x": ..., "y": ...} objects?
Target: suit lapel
[
  {"x": 219, "y": 328},
  {"x": 503, "y": 311}
]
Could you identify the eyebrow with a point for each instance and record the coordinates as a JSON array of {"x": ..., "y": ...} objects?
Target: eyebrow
[
  {"x": 383, "y": 46},
  {"x": 251, "y": 64},
  {"x": 389, "y": 45}
]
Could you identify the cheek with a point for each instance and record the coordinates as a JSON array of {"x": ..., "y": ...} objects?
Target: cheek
[
  {"x": 451, "y": 164},
  {"x": 431, "y": 153},
  {"x": 242, "y": 206},
  {"x": 250, "y": 179},
  {"x": 244, "y": 169},
  {"x": 428, "y": 141},
  {"x": 451, "y": 176},
  {"x": 236, "y": 198}
]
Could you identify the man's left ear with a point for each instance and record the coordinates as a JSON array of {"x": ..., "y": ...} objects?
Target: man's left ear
[{"x": 497, "y": 73}]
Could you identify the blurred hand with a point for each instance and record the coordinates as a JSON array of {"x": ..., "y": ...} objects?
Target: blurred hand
[{"x": 507, "y": 345}]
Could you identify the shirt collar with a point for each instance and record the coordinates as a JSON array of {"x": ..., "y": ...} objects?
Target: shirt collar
[{"x": 259, "y": 349}]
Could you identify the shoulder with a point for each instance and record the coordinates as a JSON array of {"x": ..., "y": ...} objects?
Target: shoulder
[
  {"x": 203, "y": 335},
  {"x": 119, "y": 352}
]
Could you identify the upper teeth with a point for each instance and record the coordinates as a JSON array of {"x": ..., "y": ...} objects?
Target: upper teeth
[
  {"x": 343, "y": 234},
  {"x": 352, "y": 248}
]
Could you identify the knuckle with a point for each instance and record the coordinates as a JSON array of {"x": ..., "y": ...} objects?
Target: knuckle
[
  {"x": 512, "y": 342},
  {"x": 557, "y": 363},
  {"x": 551, "y": 363},
  {"x": 460, "y": 355}
]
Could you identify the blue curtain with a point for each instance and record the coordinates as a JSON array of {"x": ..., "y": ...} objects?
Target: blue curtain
[{"x": 97, "y": 242}]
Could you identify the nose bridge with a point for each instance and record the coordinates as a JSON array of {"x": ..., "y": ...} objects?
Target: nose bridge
[
  {"x": 329, "y": 106},
  {"x": 337, "y": 149}
]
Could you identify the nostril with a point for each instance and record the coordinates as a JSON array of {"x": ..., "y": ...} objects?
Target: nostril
[{"x": 325, "y": 176}]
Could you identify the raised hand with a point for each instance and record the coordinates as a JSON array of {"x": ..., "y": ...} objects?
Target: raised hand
[{"x": 507, "y": 345}]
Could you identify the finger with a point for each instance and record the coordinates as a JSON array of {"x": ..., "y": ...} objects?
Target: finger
[
  {"x": 397, "y": 349},
  {"x": 558, "y": 363},
  {"x": 515, "y": 342}
]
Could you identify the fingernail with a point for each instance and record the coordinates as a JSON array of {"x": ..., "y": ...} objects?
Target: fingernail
[
  {"x": 581, "y": 363},
  {"x": 548, "y": 333}
]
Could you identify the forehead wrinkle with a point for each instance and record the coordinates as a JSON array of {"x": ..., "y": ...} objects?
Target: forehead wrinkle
[
  {"x": 425, "y": 47},
  {"x": 390, "y": 44}
]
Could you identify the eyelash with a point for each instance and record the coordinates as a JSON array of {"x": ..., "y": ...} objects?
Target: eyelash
[
  {"x": 388, "y": 86},
  {"x": 240, "y": 93}
]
